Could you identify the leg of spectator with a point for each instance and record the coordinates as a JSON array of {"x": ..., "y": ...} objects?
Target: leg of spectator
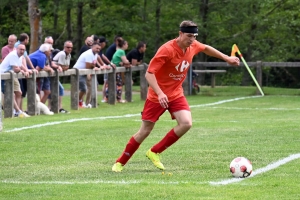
[
  {"x": 104, "y": 89},
  {"x": 46, "y": 89},
  {"x": 61, "y": 94},
  {"x": 119, "y": 87},
  {"x": 45, "y": 96},
  {"x": 82, "y": 89},
  {"x": 89, "y": 89},
  {"x": 18, "y": 99}
]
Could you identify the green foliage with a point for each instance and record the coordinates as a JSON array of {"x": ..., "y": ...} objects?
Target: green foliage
[{"x": 264, "y": 30}]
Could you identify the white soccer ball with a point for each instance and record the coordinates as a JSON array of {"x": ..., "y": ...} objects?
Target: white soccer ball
[{"x": 240, "y": 167}]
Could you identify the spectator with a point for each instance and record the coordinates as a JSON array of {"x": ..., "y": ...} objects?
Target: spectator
[
  {"x": 39, "y": 59},
  {"x": 24, "y": 39},
  {"x": 61, "y": 62},
  {"x": 112, "y": 48},
  {"x": 12, "y": 39},
  {"x": 87, "y": 45},
  {"x": 119, "y": 59},
  {"x": 13, "y": 61},
  {"x": 136, "y": 55},
  {"x": 103, "y": 43},
  {"x": 87, "y": 60}
]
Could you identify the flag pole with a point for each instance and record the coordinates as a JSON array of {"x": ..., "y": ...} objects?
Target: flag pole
[{"x": 234, "y": 50}]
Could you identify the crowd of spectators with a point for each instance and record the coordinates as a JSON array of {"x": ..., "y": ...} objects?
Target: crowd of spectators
[{"x": 91, "y": 56}]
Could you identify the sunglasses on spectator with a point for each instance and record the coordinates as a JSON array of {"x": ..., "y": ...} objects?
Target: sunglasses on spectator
[{"x": 69, "y": 47}]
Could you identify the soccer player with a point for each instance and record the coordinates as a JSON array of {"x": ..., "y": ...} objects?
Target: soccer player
[{"x": 165, "y": 75}]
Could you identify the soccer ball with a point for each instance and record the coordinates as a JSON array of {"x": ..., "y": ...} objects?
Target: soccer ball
[{"x": 240, "y": 167}]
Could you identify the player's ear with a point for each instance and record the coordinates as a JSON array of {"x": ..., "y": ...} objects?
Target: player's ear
[{"x": 180, "y": 33}]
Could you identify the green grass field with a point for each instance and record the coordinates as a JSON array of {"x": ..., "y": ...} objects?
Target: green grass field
[{"x": 69, "y": 156}]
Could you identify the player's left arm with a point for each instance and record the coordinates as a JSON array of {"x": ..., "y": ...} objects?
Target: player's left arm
[{"x": 210, "y": 51}]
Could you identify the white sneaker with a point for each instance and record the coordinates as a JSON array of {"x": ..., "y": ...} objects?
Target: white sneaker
[
  {"x": 89, "y": 105},
  {"x": 23, "y": 114}
]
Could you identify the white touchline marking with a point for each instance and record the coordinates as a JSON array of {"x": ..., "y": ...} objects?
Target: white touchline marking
[
  {"x": 260, "y": 170},
  {"x": 239, "y": 108},
  {"x": 223, "y": 101},
  {"x": 121, "y": 182},
  {"x": 70, "y": 121},
  {"x": 117, "y": 117}
]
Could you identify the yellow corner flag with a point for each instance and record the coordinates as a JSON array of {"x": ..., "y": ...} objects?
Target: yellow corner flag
[{"x": 235, "y": 50}]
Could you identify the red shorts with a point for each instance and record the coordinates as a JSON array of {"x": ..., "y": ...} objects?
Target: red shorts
[{"x": 152, "y": 111}]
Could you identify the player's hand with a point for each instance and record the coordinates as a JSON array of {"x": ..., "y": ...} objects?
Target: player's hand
[
  {"x": 163, "y": 100},
  {"x": 233, "y": 60}
]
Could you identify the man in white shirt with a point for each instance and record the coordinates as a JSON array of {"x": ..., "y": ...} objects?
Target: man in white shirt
[
  {"x": 61, "y": 62},
  {"x": 87, "y": 60},
  {"x": 13, "y": 61}
]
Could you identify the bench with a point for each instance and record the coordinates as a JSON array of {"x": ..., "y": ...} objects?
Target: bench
[{"x": 212, "y": 72}]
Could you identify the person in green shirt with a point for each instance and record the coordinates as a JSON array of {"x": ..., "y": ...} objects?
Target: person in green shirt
[{"x": 120, "y": 60}]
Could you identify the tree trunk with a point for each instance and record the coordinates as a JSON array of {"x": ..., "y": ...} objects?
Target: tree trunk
[
  {"x": 204, "y": 14},
  {"x": 157, "y": 21},
  {"x": 69, "y": 24},
  {"x": 145, "y": 20},
  {"x": 35, "y": 24},
  {"x": 55, "y": 19},
  {"x": 79, "y": 27}
]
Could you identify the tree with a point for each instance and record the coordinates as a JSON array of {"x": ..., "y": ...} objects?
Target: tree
[{"x": 35, "y": 24}]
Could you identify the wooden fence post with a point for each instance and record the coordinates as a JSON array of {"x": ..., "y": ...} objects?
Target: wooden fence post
[
  {"x": 143, "y": 82},
  {"x": 75, "y": 90},
  {"x": 213, "y": 80},
  {"x": 9, "y": 96},
  {"x": 258, "y": 76},
  {"x": 128, "y": 85},
  {"x": 186, "y": 84},
  {"x": 31, "y": 94},
  {"x": 54, "y": 81},
  {"x": 111, "y": 79},
  {"x": 94, "y": 94}
]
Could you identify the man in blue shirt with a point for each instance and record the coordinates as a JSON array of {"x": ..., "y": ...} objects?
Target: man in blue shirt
[{"x": 39, "y": 59}]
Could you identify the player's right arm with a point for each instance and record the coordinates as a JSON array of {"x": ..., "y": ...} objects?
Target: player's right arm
[{"x": 162, "y": 97}]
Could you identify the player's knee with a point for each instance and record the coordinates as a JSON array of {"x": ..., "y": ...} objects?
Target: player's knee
[{"x": 186, "y": 125}]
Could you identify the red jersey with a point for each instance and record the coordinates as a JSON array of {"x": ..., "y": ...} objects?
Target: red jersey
[{"x": 170, "y": 66}]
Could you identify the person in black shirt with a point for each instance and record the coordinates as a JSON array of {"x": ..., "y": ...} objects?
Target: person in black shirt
[
  {"x": 87, "y": 45},
  {"x": 135, "y": 56}
]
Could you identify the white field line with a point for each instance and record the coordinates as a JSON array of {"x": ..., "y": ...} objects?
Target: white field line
[
  {"x": 117, "y": 117},
  {"x": 267, "y": 168},
  {"x": 223, "y": 101},
  {"x": 121, "y": 182},
  {"x": 241, "y": 108}
]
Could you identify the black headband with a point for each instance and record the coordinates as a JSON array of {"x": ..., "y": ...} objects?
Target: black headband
[{"x": 190, "y": 29}]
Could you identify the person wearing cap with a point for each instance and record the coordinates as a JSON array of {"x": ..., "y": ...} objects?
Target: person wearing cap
[
  {"x": 109, "y": 64},
  {"x": 165, "y": 74}
]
